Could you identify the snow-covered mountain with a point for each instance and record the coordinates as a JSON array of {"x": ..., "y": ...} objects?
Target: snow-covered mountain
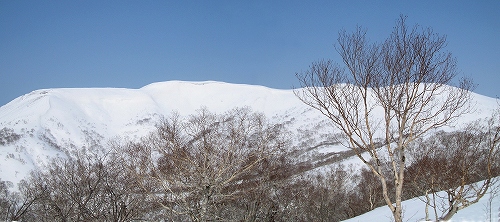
[{"x": 47, "y": 123}]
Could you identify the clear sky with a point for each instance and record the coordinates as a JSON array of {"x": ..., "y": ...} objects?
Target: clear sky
[{"x": 129, "y": 44}]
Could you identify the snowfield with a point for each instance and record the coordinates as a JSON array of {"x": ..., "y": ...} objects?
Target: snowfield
[
  {"x": 487, "y": 209},
  {"x": 51, "y": 122}
]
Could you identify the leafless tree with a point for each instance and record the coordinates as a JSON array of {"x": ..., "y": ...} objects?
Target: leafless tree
[
  {"x": 8, "y": 200},
  {"x": 462, "y": 163},
  {"x": 315, "y": 196},
  {"x": 83, "y": 187},
  {"x": 369, "y": 191},
  {"x": 393, "y": 92},
  {"x": 16, "y": 205},
  {"x": 196, "y": 166}
]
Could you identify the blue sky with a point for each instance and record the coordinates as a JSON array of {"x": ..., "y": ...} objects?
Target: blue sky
[{"x": 129, "y": 44}]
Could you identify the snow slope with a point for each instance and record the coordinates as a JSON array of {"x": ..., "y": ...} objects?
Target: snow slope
[
  {"x": 487, "y": 209},
  {"x": 52, "y": 122}
]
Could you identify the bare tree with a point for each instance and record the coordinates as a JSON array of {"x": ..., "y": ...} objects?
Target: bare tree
[
  {"x": 9, "y": 201},
  {"x": 462, "y": 163},
  {"x": 393, "y": 92},
  {"x": 369, "y": 191},
  {"x": 89, "y": 186},
  {"x": 195, "y": 167},
  {"x": 17, "y": 205}
]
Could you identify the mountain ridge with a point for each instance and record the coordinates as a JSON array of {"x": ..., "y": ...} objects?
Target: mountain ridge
[{"x": 50, "y": 122}]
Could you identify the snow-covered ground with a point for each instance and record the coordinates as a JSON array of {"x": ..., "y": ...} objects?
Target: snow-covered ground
[{"x": 487, "y": 209}]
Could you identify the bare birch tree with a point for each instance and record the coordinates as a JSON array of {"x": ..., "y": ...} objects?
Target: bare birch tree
[
  {"x": 463, "y": 164},
  {"x": 391, "y": 92}
]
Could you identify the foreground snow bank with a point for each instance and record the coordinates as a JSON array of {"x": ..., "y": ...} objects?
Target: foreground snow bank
[{"x": 487, "y": 209}]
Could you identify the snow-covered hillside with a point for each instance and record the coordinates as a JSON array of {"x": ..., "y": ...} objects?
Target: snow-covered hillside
[
  {"x": 47, "y": 123},
  {"x": 486, "y": 209}
]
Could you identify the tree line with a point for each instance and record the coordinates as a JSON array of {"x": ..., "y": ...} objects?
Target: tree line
[{"x": 237, "y": 166}]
